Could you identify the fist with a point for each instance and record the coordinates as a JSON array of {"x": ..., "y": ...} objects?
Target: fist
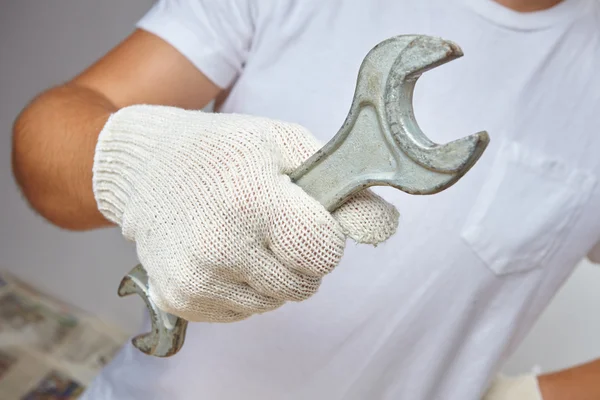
[{"x": 219, "y": 226}]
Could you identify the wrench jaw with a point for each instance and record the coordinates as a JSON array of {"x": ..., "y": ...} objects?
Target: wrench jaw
[
  {"x": 380, "y": 143},
  {"x": 417, "y": 176},
  {"x": 168, "y": 331},
  {"x": 468, "y": 149},
  {"x": 420, "y": 55},
  {"x": 387, "y": 80}
]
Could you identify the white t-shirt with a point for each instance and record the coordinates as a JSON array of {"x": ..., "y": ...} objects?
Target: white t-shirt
[{"x": 433, "y": 312}]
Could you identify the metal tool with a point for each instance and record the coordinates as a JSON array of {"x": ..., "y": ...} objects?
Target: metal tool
[{"x": 380, "y": 143}]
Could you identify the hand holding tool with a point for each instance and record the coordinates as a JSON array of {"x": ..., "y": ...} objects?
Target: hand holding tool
[{"x": 380, "y": 143}]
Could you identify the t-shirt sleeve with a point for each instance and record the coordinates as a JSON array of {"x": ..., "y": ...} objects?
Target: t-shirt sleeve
[
  {"x": 594, "y": 254},
  {"x": 215, "y": 35}
]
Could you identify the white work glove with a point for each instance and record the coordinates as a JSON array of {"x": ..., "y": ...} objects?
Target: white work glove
[
  {"x": 220, "y": 228},
  {"x": 524, "y": 387}
]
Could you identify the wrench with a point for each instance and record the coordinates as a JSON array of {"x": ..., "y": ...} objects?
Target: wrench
[{"x": 379, "y": 143}]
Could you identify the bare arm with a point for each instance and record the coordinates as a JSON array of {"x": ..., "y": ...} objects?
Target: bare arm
[
  {"x": 54, "y": 137},
  {"x": 580, "y": 382}
]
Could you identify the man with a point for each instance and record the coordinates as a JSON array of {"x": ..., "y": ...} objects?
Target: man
[{"x": 433, "y": 311}]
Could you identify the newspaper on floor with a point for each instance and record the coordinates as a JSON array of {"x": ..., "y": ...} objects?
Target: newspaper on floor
[{"x": 49, "y": 350}]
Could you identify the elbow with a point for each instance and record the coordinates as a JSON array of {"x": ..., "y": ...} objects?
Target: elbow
[
  {"x": 33, "y": 195},
  {"x": 20, "y": 164},
  {"x": 44, "y": 197},
  {"x": 52, "y": 157},
  {"x": 55, "y": 209},
  {"x": 51, "y": 208},
  {"x": 72, "y": 225}
]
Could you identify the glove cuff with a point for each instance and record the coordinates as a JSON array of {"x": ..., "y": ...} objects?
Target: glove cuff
[
  {"x": 125, "y": 147},
  {"x": 524, "y": 387}
]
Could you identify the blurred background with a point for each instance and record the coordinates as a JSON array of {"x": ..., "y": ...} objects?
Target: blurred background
[{"x": 45, "y": 42}]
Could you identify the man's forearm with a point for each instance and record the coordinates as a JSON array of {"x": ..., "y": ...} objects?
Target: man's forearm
[
  {"x": 54, "y": 139},
  {"x": 581, "y": 383}
]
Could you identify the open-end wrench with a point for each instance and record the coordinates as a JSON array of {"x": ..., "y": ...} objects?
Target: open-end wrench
[{"x": 380, "y": 143}]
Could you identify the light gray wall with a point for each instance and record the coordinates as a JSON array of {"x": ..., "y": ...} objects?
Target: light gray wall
[
  {"x": 45, "y": 42},
  {"x": 568, "y": 332}
]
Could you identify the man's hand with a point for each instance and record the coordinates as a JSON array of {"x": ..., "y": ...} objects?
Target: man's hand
[
  {"x": 580, "y": 382},
  {"x": 55, "y": 135},
  {"x": 218, "y": 224}
]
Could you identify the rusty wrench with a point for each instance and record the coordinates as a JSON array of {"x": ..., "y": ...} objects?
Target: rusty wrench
[{"x": 380, "y": 143}]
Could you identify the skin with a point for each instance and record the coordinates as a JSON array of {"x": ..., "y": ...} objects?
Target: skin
[
  {"x": 580, "y": 382},
  {"x": 54, "y": 139},
  {"x": 528, "y": 5}
]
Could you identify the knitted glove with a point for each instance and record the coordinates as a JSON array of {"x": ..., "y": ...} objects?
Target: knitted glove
[
  {"x": 220, "y": 228},
  {"x": 523, "y": 387}
]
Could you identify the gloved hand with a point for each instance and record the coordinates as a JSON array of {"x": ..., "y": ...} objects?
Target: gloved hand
[
  {"x": 220, "y": 228},
  {"x": 524, "y": 387}
]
